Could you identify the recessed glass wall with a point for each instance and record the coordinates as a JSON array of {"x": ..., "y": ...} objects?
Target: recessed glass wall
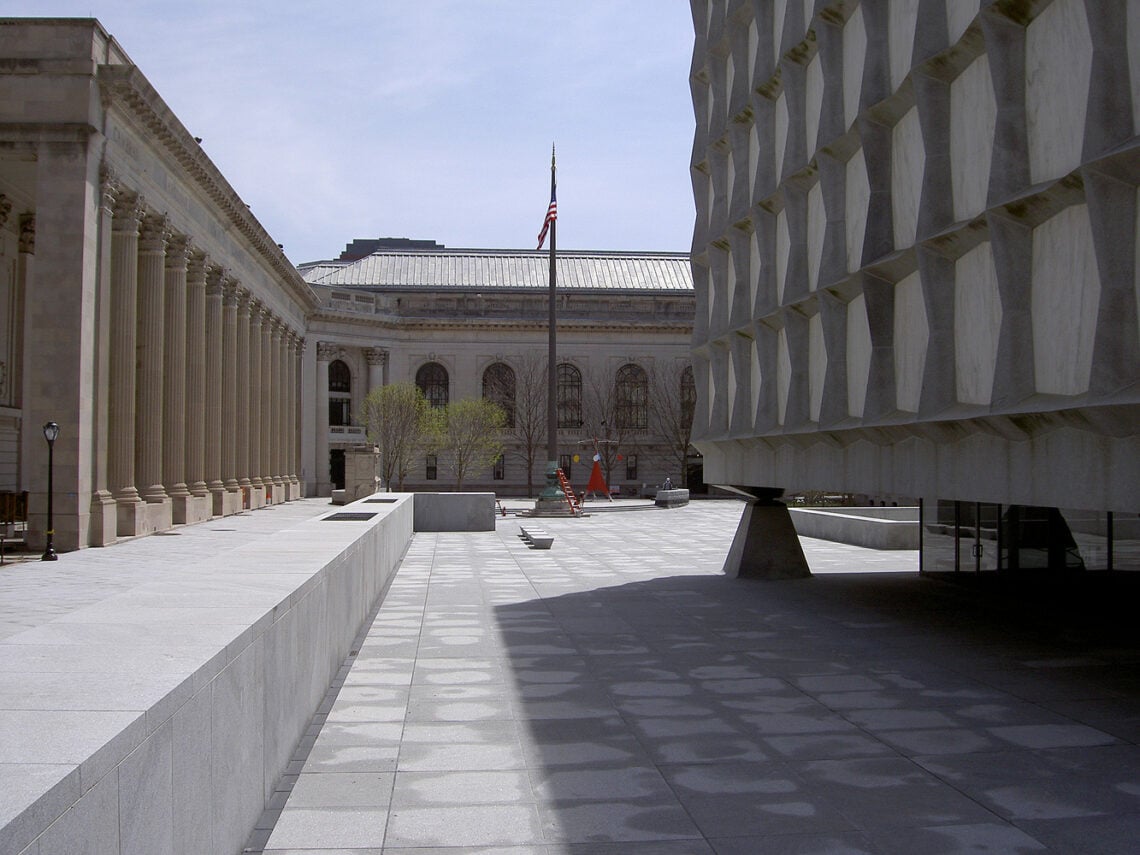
[{"x": 977, "y": 537}]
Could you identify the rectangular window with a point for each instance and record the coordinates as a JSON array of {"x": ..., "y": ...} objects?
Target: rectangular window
[
  {"x": 631, "y": 467},
  {"x": 564, "y": 465},
  {"x": 431, "y": 470},
  {"x": 499, "y": 472},
  {"x": 340, "y": 411}
]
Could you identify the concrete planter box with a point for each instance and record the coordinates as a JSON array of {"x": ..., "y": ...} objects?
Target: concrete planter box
[
  {"x": 671, "y": 498},
  {"x": 454, "y": 511},
  {"x": 874, "y": 528}
]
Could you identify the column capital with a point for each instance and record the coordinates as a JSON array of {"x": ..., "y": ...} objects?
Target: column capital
[
  {"x": 327, "y": 351},
  {"x": 28, "y": 233},
  {"x": 278, "y": 328},
  {"x": 215, "y": 281},
  {"x": 231, "y": 293},
  {"x": 109, "y": 187},
  {"x": 178, "y": 252},
  {"x": 127, "y": 212},
  {"x": 154, "y": 233},
  {"x": 376, "y": 355},
  {"x": 196, "y": 263},
  {"x": 5, "y": 209},
  {"x": 257, "y": 311}
]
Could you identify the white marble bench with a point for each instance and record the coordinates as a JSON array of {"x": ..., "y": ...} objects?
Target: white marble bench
[{"x": 536, "y": 537}]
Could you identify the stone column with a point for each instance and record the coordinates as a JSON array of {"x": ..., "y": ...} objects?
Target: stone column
[
  {"x": 280, "y": 413},
  {"x": 214, "y": 390},
  {"x": 229, "y": 385},
  {"x": 293, "y": 422},
  {"x": 196, "y": 375},
  {"x": 377, "y": 359},
  {"x": 326, "y": 353},
  {"x": 149, "y": 354},
  {"x": 267, "y": 414},
  {"x": 104, "y": 517},
  {"x": 256, "y": 317},
  {"x": 243, "y": 398},
  {"x": 174, "y": 369},
  {"x": 121, "y": 415}
]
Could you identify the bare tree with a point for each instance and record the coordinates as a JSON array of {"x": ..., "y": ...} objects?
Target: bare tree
[
  {"x": 471, "y": 434},
  {"x": 526, "y": 431},
  {"x": 605, "y": 420},
  {"x": 672, "y": 398},
  {"x": 396, "y": 418}
]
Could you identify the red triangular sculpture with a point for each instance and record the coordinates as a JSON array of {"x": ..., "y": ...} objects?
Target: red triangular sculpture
[{"x": 597, "y": 483}]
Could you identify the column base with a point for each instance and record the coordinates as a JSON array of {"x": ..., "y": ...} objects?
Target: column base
[
  {"x": 224, "y": 503},
  {"x": 766, "y": 545},
  {"x": 294, "y": 489},
  {"x": 188, "y": 510},
  {"x": 137, "y": 518},
  {"x": 104, "y": 528}
]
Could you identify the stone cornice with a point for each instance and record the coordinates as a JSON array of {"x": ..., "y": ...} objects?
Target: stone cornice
[
  {"x": 378, "y": 322},
  {"x": 126, "y": 87}
]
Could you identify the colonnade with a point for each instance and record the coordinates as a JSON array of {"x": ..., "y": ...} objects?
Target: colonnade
[{"x": 200, "y": 417}]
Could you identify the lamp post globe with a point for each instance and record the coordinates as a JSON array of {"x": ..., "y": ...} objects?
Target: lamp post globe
[{"x": 51, "y": 434}]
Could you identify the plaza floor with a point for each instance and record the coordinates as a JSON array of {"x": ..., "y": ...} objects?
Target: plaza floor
[{"x": 619, "y": 694}]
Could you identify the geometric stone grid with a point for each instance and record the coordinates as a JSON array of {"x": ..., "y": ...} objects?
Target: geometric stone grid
[{"x": 915, "y": 247}]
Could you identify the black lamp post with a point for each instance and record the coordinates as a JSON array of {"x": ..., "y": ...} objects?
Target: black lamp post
[{"x": 51, "y": 433}]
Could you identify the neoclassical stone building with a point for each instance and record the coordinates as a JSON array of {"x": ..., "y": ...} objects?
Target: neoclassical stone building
[
  {"x": 916, "y": 265},
  {"x": 194, "y": 372},
  {"x": 145, "y": 310},
  {"x": 473, "y": 323}
]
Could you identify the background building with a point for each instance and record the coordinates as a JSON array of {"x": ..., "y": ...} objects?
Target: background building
[
  {"x": 464, "y": 323},
  {"x": 916, "y": 266}
]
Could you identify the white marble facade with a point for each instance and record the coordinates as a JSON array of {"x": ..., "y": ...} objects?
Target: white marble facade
[
  {"x": 146, "y": 311},
  {"x": 938, "y": 229}
]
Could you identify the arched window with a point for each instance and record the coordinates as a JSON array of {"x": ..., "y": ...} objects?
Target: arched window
[
  {"x": 433, "y": 382},
  {"x": 631, "y": 398},
  {"x": 340, "y": 393},
  {"x": 688, "y": 396},
  {"x": 569, "y": 396},
  {"x": 499, "y": 387}
]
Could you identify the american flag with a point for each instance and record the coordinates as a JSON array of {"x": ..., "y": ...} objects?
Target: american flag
[{"x": 551, "y": 216}]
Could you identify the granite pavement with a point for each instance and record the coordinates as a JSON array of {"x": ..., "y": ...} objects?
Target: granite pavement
[{"x": 619, "y": 694}]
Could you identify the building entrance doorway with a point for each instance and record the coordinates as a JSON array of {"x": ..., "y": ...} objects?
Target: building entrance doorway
[{"x": 336, "y": 468}]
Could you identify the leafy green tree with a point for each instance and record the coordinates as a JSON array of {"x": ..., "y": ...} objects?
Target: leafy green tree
[
  {"x": 399, "y": 422},
  {"x": 471, "y": 433}
]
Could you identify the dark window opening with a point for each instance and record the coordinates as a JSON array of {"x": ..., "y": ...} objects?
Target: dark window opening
[
  {"x": 569, "y": 392},
  {"x": 631, "y": 398},
  {"x": 499, "y": 388},
  {"x": 433, "y": 382}
]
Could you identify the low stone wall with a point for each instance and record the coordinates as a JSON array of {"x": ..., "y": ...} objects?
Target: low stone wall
[
  {"x": 674, "y": 498},
  {"x": 455, "y": 512},
  {"x": 875, "y": 528},
  {"x": 184, "y": 757}
]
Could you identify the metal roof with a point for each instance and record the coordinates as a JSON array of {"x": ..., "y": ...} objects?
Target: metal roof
[{"x": 513, "y": 270}]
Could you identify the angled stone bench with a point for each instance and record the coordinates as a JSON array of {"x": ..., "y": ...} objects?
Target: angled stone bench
[{"x": 536, "y": 537}]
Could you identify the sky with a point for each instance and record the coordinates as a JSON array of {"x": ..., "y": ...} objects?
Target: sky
[{"x": 431, "y": 119}]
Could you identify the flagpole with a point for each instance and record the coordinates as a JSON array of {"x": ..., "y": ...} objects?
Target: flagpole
[
  {"x": 552, "y": 499},
  {"x": 552, "y": 344}
]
